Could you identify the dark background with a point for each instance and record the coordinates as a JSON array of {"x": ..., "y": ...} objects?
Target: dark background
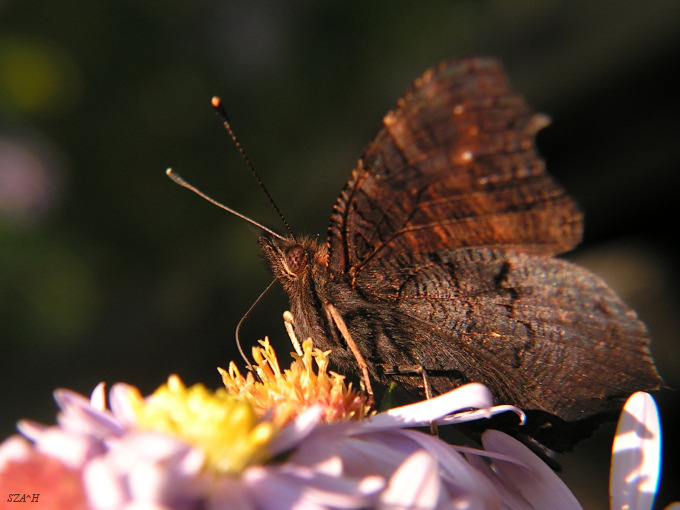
[{"x": 109, "y": 272}]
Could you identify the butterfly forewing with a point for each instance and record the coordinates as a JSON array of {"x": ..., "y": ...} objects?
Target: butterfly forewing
[{"x": 454, "y": 165}]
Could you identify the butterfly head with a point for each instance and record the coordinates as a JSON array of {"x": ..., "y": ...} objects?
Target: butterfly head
[{"x": 291, "y": 260}]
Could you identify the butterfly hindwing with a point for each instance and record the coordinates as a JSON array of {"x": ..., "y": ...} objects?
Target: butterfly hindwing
[{"x": 542, "y": 333}]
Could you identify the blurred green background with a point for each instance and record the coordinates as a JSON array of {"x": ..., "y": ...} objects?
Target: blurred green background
[{"x": 109, "y": 272}]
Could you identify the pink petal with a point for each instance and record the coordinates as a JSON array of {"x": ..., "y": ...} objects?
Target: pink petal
[
  {"x": 541, "y": 487},
  {"x": 636, "y": 454}
]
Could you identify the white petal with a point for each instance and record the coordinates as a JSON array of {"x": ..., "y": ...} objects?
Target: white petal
[
  {"x": 148, "y": 482},
  {"x": 147, "y": 447},
  {"x": 478, "y": 414},
  {"x": 136, "y": 505},
  {"x": 295, "y": 487},
  {"x": 296, "y": 431},
  {"x": 540, "y": 486},
  {"x": 272, "y": 492},
  {"x": 470, "y": 452},
  {"x": 98, "y": 397},
  {"x": 78, "y": 415},
  {"x": 71, "y": 449},
  {"x": 321, "y": 455},
  {"x": 119, "y": 400},
  {"x": 636, "y": 455},
  {"x": 371, "y": 454},
  {"x": 511, "y": 498},
  {"x": 191, "y": 463},
  {"x": 415, "y": 484},
  {"x": 229, "y": 493},
  {"x": 343, "y": 492},
  {"x": 474, "y": 395},
  {"x": 103, "y": 487},
  {"x": 31, "y": 429},
  {"x": 320, "y": 449},
  {"x": 457, "y": 474},
  {"x": 468, "y": 502},
  {"x": 14, "y": 449}
]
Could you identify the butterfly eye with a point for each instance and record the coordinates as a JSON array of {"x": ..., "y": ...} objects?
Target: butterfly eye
[{"x": 295, "y": 259}]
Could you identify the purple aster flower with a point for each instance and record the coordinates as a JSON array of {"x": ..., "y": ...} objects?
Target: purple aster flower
[{"x": 321, "y": 448}]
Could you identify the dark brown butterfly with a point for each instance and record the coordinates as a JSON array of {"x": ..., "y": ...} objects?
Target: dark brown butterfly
[{"x": 440, "y": 256}]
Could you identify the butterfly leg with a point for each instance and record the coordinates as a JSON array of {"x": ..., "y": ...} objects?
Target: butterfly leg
[
  {"x": 289, "y": 323},
  {"x": 363, "y": 366},
  {"x": 422, "y": 371},
  {"x": 412, "y": 369}
]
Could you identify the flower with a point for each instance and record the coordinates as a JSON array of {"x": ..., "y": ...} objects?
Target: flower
[{"x": 296, "y": 438}]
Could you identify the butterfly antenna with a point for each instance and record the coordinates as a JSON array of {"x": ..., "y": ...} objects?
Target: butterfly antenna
[
  {"x": 238, "y": 326},
  {"x": 222, "y": 114},
  {"x": 178, "y": 180}
]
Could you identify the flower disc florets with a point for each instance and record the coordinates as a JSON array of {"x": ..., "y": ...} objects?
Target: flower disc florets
[
  {"x": 225, "y": 427},
  {"x": 287, "y": 393}
]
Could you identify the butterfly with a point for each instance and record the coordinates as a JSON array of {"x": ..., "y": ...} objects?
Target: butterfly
[{"x": 440, "y": 261}]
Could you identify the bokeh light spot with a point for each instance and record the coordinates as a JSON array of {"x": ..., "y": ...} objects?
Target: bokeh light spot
[{"x": 37, "y": 77}]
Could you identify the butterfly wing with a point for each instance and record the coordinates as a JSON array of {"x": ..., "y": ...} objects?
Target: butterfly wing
[
  {"x": 449, "y": 219},
  {"x": 454, "y": 165},
  {"x": 542, "y": 333}
]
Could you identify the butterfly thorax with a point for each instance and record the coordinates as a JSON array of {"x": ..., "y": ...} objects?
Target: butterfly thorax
[{"x": 301, "y": 266}]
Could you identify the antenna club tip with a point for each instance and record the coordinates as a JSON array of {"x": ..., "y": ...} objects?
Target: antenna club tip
[
  {"x": 174, "y": 176},
  {"x": 215, "y": 101}
]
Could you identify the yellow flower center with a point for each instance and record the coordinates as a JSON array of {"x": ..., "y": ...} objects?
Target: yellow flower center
[{"x": 225, "y": 427}]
